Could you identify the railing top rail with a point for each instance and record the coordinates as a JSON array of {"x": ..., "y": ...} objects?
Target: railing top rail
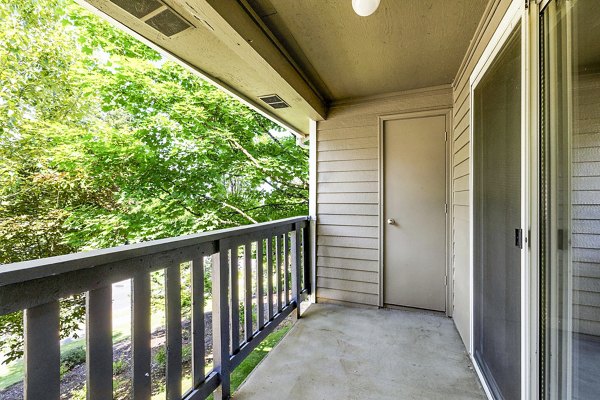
[{"x": 45, "y": 267}]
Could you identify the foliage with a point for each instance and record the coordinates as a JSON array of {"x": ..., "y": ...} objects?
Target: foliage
[
  {"x": 71, "y": 358},
  {"x": 120, "y": 366},
  {"x": 72, "y": 313},
  {"x": 157, "y": 283},
  {"x": 186, "y": 353},
  {"x": 79, "y": 394},
  {"x": 160, "y": 357},
  {"x": 104, "y": 142}
]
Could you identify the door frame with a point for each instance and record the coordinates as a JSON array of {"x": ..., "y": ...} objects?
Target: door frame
[
  {"x": 516, "y": 15},
  {"x": 445, "y": 112}
]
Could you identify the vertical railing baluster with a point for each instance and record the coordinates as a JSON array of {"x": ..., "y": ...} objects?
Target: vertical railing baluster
[
  {"x": 296, "y": 260},
  {"x": 248, "y": 291},
  {"x": 198, "y": 329},
  {"x": 278, "y": 271},
  {"x": 173, "y": 318},
  {"x": 99, "y": 343},
  {"x": 270, "y": 277},
  {"x": 260, "y": 283},
  {"x": 141, "y": 336},
  {"x": 42, "y": 352},
  {"x": 235, "y": 301},
  {"x": 286, "y": 269},
  {"x": 307, "y": 257},
  {"x": 220, "y": 320}
]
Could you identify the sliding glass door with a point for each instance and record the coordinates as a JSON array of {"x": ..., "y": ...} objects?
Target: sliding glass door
[
  {"x": 570, "y": 200},
  {"x": 497, "y": 235}
]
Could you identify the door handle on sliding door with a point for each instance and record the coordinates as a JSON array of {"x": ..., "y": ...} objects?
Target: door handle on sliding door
[{"x": 519, "y": 238}]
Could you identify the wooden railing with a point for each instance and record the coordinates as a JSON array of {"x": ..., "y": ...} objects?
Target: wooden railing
[{"x": 37, "y": 286}]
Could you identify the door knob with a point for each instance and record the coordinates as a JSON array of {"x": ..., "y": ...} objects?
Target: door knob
[{"x": 391, "y": 221}]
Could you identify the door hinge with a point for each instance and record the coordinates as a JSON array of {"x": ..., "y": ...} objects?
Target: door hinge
[
  {"x": 526, "y": 4},
  {"x": 446, "y": 136},
  {"x": 446, "y": 208}
]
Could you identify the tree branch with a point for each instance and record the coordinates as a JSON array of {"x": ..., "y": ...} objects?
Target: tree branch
[
  {"x": 254, "y": 161},
  {"x": 276, "y": 205},
  {"x": 221, "y": 202}
]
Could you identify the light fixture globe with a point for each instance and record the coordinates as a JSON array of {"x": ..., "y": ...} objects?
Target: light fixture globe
[{"x": 364, "y": 8}]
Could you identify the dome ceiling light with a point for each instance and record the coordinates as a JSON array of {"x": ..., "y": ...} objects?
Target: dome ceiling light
[{"x": 364, "y": 8}]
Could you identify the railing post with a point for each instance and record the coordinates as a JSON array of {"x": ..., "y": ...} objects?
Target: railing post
[
  {"x": 248, "y": 291},
  {"x": 141, "y": 336},
  {"x": 286, "y": 270},
  {"x": 234, "y": 315},
  {"x": 307, "y": 257},
  {"x": 278, "y": 272},
  {"x": 99, "y": 344},
  {"x": 296, "y": 261},
  {"x": 198, "y": 328},
  {"x": 270, "y": 290},
  {"x": 173, "y": 332},
  {"x": 220, "y": 319},
  {"x": 42, "y": 352},
  {"x": 260, "y": 283}
]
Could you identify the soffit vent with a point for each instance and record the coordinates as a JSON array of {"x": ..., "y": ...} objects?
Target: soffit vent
[
  {"x": 274, "y": 101},
  {"x": 139, "y": 8},
  {"x": 156, "y": 14},
  {"x": 168, "y": 23}
]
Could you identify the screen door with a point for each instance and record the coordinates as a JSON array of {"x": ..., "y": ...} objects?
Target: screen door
[{"x": 497, "y": 218}]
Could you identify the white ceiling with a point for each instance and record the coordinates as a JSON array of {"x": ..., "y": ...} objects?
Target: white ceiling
[{"x": 405, "y": 44}]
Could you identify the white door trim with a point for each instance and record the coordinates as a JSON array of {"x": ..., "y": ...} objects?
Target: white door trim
[
  {"x": 447, "y": 114},
  {"x": 516, "y": 15}
]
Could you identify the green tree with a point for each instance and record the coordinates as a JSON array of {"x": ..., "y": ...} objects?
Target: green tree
[{"x": 104, "y": 142}]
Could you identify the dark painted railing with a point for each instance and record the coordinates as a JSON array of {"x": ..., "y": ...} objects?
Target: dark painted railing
[{"x": 37, "y": 286}]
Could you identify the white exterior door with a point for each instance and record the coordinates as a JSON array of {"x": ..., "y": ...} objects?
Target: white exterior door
[{"x": 414, "y": 225}]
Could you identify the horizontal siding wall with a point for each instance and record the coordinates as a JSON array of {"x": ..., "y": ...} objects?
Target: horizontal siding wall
[
  {"x": 348, "y": 194},
  {"x": 586, "y": 207},
  {"x": 461, "y": 167}
]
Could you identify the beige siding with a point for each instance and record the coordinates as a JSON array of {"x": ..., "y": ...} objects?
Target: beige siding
[
  {"x": 348, "y": 193},
  {"x": 586, "y": 206},
  {"x": 461, "y": 166}
]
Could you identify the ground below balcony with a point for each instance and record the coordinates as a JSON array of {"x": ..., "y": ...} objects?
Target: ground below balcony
[{"x": 337, "y": 352}]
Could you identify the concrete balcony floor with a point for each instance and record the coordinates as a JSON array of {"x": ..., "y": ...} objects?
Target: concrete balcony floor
[{"x": 336, "y": 352}]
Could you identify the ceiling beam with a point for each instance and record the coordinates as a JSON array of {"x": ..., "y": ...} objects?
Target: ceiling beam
[{"x": 244, "y": 27}]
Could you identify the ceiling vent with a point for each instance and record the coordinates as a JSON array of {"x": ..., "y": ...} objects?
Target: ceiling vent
[
  {"x": 274, "y": 101},
  {"x": 156, "y": 14},
  {"x": 139, "y": 8},
  {"x": 168, "y": 23}
]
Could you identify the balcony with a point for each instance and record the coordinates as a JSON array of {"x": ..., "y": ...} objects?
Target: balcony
[{"x": 332, "y": 351}]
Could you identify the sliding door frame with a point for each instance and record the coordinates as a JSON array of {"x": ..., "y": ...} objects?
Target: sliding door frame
[
  {"x": 549, "y": 378},
  {"x": 533, "y": 115},
  {"x": 518, "y": 14}
]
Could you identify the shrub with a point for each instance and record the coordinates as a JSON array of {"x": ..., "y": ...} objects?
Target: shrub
[
  {"x": 71, "y": 358},
  {"x": 119, "y": 366},
  {"x": 160, "y": 358},
  {"x": 186, "y": 353}
]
